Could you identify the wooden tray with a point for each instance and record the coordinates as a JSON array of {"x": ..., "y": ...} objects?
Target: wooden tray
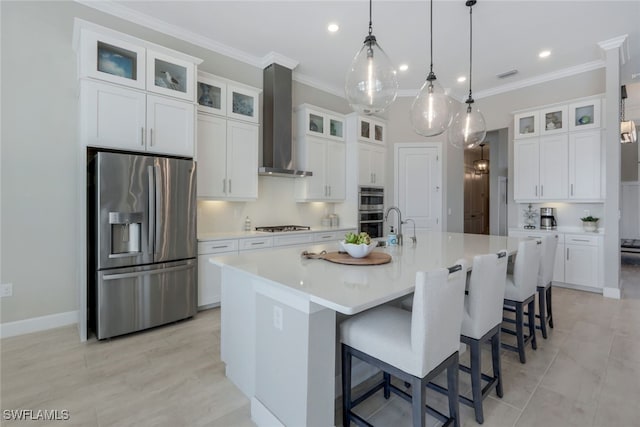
[{"x": 374, "y": 258}]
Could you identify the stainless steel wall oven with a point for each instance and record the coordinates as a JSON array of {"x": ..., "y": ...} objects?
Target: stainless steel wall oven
[{"x": 371, "y": 211}]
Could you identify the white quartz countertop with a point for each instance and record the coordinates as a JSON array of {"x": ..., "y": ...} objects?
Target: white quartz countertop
[
  {"x": 351, "y": 289},
  {"x": 206, "y": 237}
]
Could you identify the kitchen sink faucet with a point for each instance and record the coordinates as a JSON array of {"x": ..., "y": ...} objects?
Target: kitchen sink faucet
[{"x": 386, "y": 217}]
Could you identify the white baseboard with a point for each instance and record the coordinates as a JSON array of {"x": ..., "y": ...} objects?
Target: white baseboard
[
  {"x": 262, "y": 416},
  {"x": 36, "y": 324},
  {"x": 611, "y": 293}
]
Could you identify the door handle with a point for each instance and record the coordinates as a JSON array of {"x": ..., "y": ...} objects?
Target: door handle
[
  {"x": 572, "y": 189},
  {"x": 536, "y": 191}
]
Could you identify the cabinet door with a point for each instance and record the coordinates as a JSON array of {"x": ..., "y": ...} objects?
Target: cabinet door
[
  {"x": 554, "y": 120},
  {"x": 170, "y": 126},
  {"x": 211, "y": 156},
  {"x": 377, "y": 165},
  {"x": 558, "y": 267},
  {"x": 170, "y": 76},
  {"x": 111, "y": 59},
  {"x": 314, "y": 159},
  {"x": 379, "y": 132},
  {"x": 242, "y": 103},
  {"x": 336, "y": 172},
  {"x": 526, "y": 169},
  {"x": 526, "y": 124},
  {"x": 211, "y": 94},
  {"x": 584, "y": 165},
  {"x": 209, "y": 282},
  {"x": 112, "y": 116},
  {"x": 365, "y": 173},
  {"x": 315, "y": 122},
  {"x": 365, "y": 129},
  {"x": 581, "y": 265},
  {"x": 554, "y": 152},
  {"x": 584, "y": 115},
  {"x": 242, "y": 160},
  {"x": 336, "y": 128}
]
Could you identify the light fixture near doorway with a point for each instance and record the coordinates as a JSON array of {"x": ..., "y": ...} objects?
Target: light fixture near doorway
[
  {"x": 481, "y": 166},
  {"x": 371, "y": 83},
  {"x": 468, "y": 129}
]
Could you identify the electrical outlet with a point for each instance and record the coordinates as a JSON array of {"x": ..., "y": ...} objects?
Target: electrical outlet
[
  {"x": 277, "y": 317},
  {"x": 586, "y": 212},
  {"x": 6, "y": 290}
]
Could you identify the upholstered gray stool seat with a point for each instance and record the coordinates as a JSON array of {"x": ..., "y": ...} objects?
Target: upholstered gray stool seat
[{"x": 412, "y": 346}]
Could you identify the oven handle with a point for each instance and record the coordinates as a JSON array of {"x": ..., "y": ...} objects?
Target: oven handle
[
  {"x": 372, "y": 194},
  {"x": 371, "y": 221}
]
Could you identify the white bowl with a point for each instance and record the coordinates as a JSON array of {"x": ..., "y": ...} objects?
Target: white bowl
[{"x": 358, "y": 251}]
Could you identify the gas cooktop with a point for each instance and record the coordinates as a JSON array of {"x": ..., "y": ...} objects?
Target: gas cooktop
[{"x": 277, "y": 228}]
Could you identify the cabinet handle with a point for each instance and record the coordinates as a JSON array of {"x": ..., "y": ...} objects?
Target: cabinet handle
[
  {"x": 536, "y": 191},
  {"x": 541, "y": 190},
  {"x": 230, "y": 186},
  {"x": 567, "y": 254},
  {"x": 220, "y": 247},
  {"x": 580, "y": 240},
  {"x": 224, "y": 185},
  {"x": 326, "y": 192},
  {"x": 257, "y": 243},
  {"x": 151, "y": 137},
  {"x": 142, "y": 136},
  {"x": 326, "y": 237}
]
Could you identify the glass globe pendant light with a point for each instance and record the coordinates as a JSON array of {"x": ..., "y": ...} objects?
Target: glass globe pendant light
[
  {"x": 468, "y": 128},
  {"x": 371, "y": 84},
  {"x": 432, "y": 109}
]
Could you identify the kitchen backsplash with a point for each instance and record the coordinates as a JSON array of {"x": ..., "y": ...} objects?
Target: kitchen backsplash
[
  {"x": 567, "y": 214},
  {"x": 275, "y": 206}
]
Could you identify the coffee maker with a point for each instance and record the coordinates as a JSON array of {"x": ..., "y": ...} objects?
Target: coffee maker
[{"x": 548, "y": 218}]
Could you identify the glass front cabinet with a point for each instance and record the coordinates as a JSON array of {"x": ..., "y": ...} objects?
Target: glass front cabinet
[
  {"x": 371, "y": 130},
  {"x": 584, "y": 115},
  {"x": 554, "y": 120},
  {"x": 211, "y": 94},
  {"x": 217, "y": 95},
  {"x": 322, "y": 123},
  {"x": 170, "y": 76},
  {"x": 526, "y": 124}
]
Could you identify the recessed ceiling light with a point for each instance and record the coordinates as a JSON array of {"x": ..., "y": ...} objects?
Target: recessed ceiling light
[
  {"x": 544, "y": 53},
  {"x": 333, "y": 28},
  {"x": 462, "y": 79},
  {"x": 403, "y": 67}
]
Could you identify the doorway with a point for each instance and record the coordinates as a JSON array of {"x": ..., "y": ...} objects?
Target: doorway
[{"x": 476, "y": 190}]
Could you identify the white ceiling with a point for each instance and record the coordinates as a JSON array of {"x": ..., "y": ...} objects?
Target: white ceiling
[{"x": 507, "y": 35}]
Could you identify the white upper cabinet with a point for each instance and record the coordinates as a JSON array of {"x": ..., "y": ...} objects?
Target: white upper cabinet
[
  {"x": 585, "y": 114},
  {"x": 370, "y": 164},
  {"x": 170, "y": 76},
  {"x": 554, "y": 120},
  {"x": 371, "y": 130},
  {"x": 526, "y": 124},
  {"x": 322, "y": 123},
  {"x": 540, "y": 168},
  {"x": 227, "y": 156},
  {"x": 113, "y": 59},
  {"x": 585, "y": 162},
  {"x": 124, "y": 119},
  {"x": 223, "y": 97}
]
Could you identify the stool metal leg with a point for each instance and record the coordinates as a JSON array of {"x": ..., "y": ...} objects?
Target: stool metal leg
[
  {"x": 387, "y": 384},
  {"x": 520, "y": 332},
  {"x": 542, "y": 309},
  {"x": 419, "y": 402},
  {"x": 549, "y": 311},
  {"x": 532, "y": 323},
  {"x": 452, "y": 385},
  {"x": 495, "y": 359},
  {"x": 476, "y": 379},
  {"x": 346, "y": 386}
]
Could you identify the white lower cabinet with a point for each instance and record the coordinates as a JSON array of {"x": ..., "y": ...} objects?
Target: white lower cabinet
[
  {"x": 227, "y": 156},
  {"x": 578, "y": 257},
  {"x": 582, "y": 260},
  {"x": 127, "y": 119},
  {"x": 209, "y": 275}
]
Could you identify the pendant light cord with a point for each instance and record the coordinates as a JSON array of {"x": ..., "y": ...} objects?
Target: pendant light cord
[
  {"x": 470, "y": 4},
  {"x": 370, "y": 20},
  {"x": 431, "y": 37}
]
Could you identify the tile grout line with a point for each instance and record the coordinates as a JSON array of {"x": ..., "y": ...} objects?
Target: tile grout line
[{"x": 536, "y": 388}]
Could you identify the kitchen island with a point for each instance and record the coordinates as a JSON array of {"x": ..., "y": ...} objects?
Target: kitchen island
[{"x": 279, "y": 311}]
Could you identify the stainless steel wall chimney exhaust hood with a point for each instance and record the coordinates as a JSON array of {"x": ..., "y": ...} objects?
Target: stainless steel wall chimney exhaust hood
[{"x": 277, "y": 143}]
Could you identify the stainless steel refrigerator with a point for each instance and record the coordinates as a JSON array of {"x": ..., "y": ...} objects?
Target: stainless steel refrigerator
[{"x": 142, "y": 254}]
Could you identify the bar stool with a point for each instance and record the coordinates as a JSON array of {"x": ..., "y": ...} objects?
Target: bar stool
[
  {"x": 412, "y": 346},
  {"x": 545, "y": 276},
  {"x": 520, "y": 290},
  {"x": 481, "y": 324}
]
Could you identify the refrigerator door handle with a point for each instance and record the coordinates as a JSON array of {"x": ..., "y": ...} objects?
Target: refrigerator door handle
[
  {"x": 158, "y": 206},
  {"x": 147, "y": 272},
  {"x": 152, "y": 209}
]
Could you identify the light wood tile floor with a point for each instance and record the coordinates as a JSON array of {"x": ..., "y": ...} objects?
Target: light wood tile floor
[{"x": 586, "y": 374}]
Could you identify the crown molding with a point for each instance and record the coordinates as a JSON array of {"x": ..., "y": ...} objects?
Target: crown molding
[
  {"x": 277, "y": 58},
  {"x": 543, "y": 78},
  {"x": 144, "y": 20},
  {"x": 621, "y": 42},
  {"x": 310, "y": 81}
]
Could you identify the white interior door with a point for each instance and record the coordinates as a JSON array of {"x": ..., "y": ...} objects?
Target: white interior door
[{"x": 418, "y": 184}]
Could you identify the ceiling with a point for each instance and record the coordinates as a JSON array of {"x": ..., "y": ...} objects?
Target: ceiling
[{"x": 507, "y": 35}]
